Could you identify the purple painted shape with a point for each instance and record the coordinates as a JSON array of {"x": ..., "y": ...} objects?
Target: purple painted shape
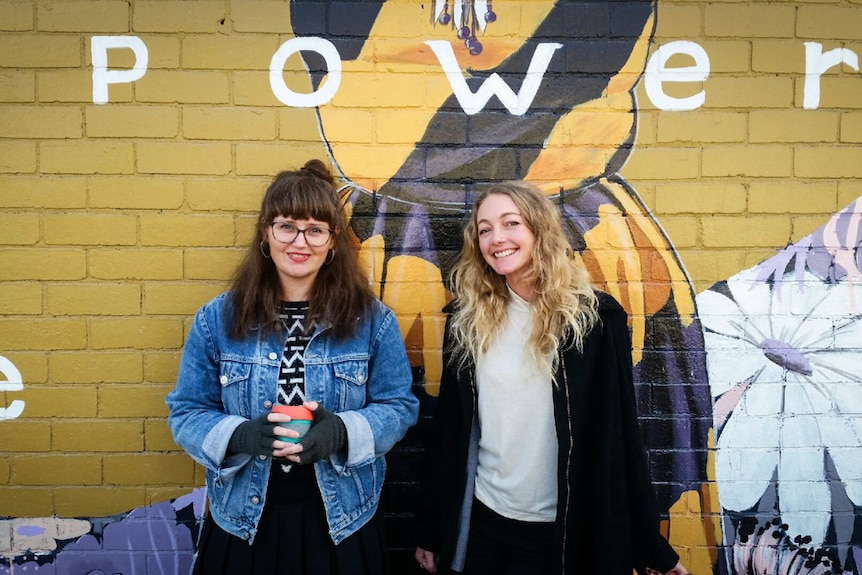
[
  {"x": 197, "y": 498},
  {"x": 158, "y": 511},
  {"x": 153, "y": 540},
  {"x": 417, "y": 232},
  {"x": 815, "y": 251},
  {"x": 152, "y": 528},
  {"x": 33, "y": 567},
  {"x": 786, "y": 356},
  {"x": 380, "y": 220},
  {"x": 78, "y": 563},
  {"x": 678, "y": 387},
  {"x": 87, "y": 542},
  {"x": 169, "y": 563},
  {"x": 146, "y": 536},
  {"x": 412, "y": 231},
  {"x": 30, "y": 530}
]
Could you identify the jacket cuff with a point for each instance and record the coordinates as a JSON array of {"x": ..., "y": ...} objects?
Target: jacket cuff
[
  {"x": 425, "y": 537},
  {"x": 665, "y": 557},
  {"x": 215, "y": 443},
  {"x": 360, "y": 442}
]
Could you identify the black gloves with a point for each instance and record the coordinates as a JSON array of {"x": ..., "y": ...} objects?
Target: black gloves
[
  {"x": 254, "y": 437},
  {"x": 325, "y": 437}
]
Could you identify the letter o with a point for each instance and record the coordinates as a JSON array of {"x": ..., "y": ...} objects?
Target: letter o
[{"x": 312, "y": 44}]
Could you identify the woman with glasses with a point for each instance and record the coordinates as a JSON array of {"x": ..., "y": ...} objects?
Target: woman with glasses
[{"x": 298, "y": 326}]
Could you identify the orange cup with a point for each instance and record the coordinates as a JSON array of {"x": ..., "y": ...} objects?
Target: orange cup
[{"x": 300, "y": 420}]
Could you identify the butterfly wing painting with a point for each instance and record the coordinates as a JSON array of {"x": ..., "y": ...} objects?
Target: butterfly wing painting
[{"x": 547, "y": 96}]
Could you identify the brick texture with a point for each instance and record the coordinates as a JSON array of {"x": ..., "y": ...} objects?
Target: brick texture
[
  {"x": 17, "y": 86},
  {"x": 16, "y": 15},
  {"x": 20, "y": 298},
  {"x": 118, "y": 220},
  {"x": 99, "y": 17}
]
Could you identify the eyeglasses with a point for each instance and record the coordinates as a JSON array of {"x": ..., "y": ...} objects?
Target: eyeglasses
[{"x": 286, "y": 233}]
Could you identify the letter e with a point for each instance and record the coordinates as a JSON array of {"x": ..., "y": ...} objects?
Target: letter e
[
  {"x": 12, "y": 383},
  {"x": 656, "y": 73}
]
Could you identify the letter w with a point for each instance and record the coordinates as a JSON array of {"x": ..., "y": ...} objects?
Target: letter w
[{"x": 471, "y": 103}]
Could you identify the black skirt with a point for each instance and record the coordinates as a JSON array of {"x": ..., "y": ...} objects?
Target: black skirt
[{"x": 293, "y": 539}]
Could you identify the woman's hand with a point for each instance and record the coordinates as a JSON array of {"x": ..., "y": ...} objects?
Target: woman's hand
[
  {"x": 326, "y": 436},
  {"x": 679, "y": 569},
  {"x": 426, "y": 559},
  {"x": 280, "y": 447},
  {"x": 254, "y": 437}
]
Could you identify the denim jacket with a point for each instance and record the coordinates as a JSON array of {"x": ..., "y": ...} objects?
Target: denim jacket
[{"x": 222, "y": 382}]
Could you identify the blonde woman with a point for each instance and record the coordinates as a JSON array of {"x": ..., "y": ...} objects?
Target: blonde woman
[{"x": 537, "y": 465}]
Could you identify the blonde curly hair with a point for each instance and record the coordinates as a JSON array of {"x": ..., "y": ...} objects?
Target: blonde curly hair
[{"x": 563, "y": 303}]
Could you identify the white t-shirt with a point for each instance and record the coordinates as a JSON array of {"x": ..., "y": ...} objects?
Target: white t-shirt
[{"x": 517, "y": 475}]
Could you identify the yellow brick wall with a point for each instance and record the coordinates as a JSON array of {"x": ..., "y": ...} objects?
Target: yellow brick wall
[
  {"x": 118, "y": 221},
  {"x": 751, "y": 169}
]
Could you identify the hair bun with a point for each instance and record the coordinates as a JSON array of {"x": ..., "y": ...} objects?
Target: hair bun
[{"x": 318, "y": 169}]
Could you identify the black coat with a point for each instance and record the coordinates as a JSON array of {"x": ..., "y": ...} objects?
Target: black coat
[{"x": 607, "y": 516}]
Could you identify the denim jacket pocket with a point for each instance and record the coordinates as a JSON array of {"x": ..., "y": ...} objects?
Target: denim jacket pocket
[
  {"x": 352, "y": 377},
  {"x": 234, "y": 378}
]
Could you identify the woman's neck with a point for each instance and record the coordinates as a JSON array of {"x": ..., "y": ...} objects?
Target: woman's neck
[
  {"x": 294, "y": 292},
  {"x": 525, "y": 292}
]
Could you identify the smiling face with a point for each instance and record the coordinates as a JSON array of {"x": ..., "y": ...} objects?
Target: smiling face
[
  {"x": 296, "y": 261},
  {"x": 505, "y": 240}
]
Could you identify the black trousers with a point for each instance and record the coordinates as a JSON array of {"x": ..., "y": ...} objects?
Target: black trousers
[{"x": 502, "y": 546}]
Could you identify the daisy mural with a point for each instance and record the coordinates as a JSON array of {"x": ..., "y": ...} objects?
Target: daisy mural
[{"x": 786, "y": 377}]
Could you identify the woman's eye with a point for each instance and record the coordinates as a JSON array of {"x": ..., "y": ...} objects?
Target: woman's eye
[
  {"x": 286, "y": 227},
  {"x": 484, "y": 231},
  {"x": 315, "y": 231}
]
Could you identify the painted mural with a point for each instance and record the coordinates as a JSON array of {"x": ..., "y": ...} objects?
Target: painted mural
[
  {"x": 748, "y": 391},
  {"x": 786, "y": 376},
  {"x": 562, "y": 116},
  {"x": 155, "y": 540}
]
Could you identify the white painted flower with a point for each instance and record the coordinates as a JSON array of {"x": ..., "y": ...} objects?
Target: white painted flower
[{"x": 785, "y": 372}]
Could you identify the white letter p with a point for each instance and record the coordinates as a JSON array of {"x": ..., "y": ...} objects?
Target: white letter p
[{"x": 99, "y": 46}]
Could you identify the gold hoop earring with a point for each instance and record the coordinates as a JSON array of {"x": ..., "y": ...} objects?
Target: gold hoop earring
[
  {"x": 329, "y": 257},
  {"x": 262, "y": 251}
]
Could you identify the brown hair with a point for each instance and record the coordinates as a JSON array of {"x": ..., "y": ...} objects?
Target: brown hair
[{"x": 340, "y": 294}]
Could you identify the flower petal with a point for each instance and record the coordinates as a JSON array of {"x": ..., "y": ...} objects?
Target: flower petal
[
  {"x": 728, "y": 367},
  {"x": 803, "y": 492},
  {"x": 843, "y": 436},
  {"x": 718, "y": 312},
  {"x": 745, "y": 460}
]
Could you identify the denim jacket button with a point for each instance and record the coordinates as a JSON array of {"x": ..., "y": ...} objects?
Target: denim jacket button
[
  {"x": 245, "y": 535},
  {"x": 261, "y": 457},
  {"x": 267, "y": 404},
  {"x": 360, "y": 378},
  {"x": 223, "y": 379},
  {"x": 273, "y": 355},
  {"x": 255, "y": 500}
]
